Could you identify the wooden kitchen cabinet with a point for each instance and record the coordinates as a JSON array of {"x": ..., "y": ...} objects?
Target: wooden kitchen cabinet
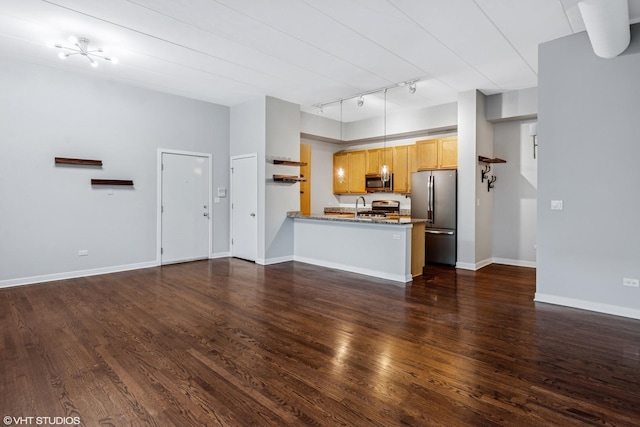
[
  {"x": 376, "y": 158},
  {"x": 412, "y": 155},
  {"x": 401, "y": 176},
  {"x": 437, "y": 153},
  {"x": 353, "y": 164},
  {"x": 448, "y": 153},
  {"x": 340, "y": 163}
]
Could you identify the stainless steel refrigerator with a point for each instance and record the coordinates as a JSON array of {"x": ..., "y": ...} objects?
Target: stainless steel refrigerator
[{"x": 434, "y": 197}]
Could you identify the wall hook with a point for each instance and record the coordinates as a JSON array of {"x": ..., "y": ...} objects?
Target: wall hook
[
  {"x": 490, "y": 182},
  {"x": 485, "y": 172}
]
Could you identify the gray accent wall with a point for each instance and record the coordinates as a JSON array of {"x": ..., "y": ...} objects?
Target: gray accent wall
[
  {"x": 48, "y": 213},
  {"x": 589, "y": 110}
]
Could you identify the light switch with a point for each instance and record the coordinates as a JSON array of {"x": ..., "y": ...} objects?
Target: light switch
[
  {"x": 216, "y": 200},
  {"x": 556, "y": 205},
  {"x": 222, "y": 192}
]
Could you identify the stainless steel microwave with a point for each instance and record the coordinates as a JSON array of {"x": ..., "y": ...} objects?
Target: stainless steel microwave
[{"x": 375, "y": 183}]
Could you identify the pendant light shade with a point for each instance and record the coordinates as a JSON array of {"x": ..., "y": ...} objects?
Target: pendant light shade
[{"x": 384, "y": 170}]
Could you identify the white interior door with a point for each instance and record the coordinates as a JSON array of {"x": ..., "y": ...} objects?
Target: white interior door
[
  {"x": 185, "y": 228},
  {"x": 244, "y": 207}
]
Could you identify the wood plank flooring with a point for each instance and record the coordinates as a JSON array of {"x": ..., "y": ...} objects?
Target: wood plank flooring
[{"x": 229, "y": 343}]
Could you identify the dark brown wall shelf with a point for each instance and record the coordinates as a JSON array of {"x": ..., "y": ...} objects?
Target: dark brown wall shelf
[
  {"x": 111, "y": 182},
  {"x": 83, "y": 162},
  {"x": 289, "y": 163},
  {"x": 288, "y": 178},
  {"x": 489, "y": 160}
]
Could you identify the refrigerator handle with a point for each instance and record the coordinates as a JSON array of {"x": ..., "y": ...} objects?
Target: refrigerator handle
[{"x": 430, "y": 200}]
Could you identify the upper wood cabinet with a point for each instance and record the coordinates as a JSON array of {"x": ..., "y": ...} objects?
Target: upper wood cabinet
[
  {"x": 353, "y": 166},
  {"x": 402, "y": 160},
  {"x": 448, "y": 153},
  {"x": 341, "y": 173},
  {"x": 376, "y": 158},
  {"x": 437, "y": 153},
  {"x": 357, "y": 163},
  {"x": 401, "y": 176}
]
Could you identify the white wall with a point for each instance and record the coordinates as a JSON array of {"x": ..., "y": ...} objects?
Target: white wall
[
  {"x": 515, "y": 194},
  {"x": 248, "y": 136},
  {"x": 48, "y": 213},
  {"x": 588, "y": 157},
  {"x": 484, "y": 198},
  {"x": 282, "y": 141}
]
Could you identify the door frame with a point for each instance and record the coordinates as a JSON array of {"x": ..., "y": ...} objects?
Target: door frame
[
  {"x": 231, "y": 159},
  {"x": 162, "y": 151}
]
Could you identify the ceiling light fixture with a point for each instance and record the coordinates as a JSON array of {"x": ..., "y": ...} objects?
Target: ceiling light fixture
[
  {"x": 82, "y": 48},
  {"x": 412, "y": 87},
  {"x": 360, "y": 101}
]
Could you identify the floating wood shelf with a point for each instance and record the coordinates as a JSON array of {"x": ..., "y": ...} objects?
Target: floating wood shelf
[
  {"x": 289, "y": 163},
  {"x": 82, "y": 162},
  {"x": 288, "y": 178},
  {"x": 111, "y": 182},
  {"x": 489, "y": 160}
]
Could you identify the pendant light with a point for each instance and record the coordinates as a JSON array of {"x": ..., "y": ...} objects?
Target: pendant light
[
  {"x": 384, "y": 170},
  {"x": 340, "y": 171}
]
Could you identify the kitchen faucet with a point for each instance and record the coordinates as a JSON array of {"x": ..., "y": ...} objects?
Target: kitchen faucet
[{"x": 364, "y": 203}]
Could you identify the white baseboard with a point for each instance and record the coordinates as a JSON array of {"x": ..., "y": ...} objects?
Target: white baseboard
[
  {"x": 515, "y": 262},
  {"x": 488, "y": 261},
  {"x": 75, "y": 274},
  {"x": 278, "y": 260},
  {"x": 588, "y": 305},
  {"x": 220, "y": 255},
  {"x": 367, "y": 272},
  {"x": 473, "y": 267}
]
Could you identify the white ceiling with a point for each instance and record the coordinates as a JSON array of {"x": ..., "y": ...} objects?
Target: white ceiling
[{"x": 302, "y": 51}]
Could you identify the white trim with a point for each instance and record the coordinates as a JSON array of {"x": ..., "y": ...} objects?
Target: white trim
[
  {"x": 220, "y": 255},
  {"x": 588, "y": 305},
  {"x": 277, "y": 260},
  {"x": 162, "y": 151},
  {"x": 75, "y": 274},
  {"x": 473, "y": 267},
  {"x": 515, "y": 262},
  {"x": 352, "y": 269}
]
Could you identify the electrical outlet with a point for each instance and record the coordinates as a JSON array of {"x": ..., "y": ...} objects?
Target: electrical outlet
[
  {"x": 83, "y": 252},
  {"x": 396, "y": 237},
  {"x": 557, "y": 205},
  {"x": 634, "y": 283}
]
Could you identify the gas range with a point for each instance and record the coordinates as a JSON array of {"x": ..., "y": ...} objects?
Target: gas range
[{"x": 381, "y": 208}]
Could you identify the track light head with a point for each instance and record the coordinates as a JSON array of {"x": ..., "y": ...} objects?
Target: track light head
[
  {"x": 412, "y": 87},
  {"x": 360, "y": 101}
]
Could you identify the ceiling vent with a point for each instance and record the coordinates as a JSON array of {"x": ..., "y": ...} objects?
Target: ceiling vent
[{"x": 607, "y": 23}]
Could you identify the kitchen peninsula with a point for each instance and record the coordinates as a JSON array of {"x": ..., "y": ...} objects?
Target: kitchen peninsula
[{"x": 390, "y": 249}]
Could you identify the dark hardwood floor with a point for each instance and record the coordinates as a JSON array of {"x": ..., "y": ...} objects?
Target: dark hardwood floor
[{"x": 227, "y": 342}]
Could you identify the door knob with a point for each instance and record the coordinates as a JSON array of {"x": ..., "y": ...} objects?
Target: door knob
[
  {"x": 206, "y": 214},
  {"x": 253, "y": 215}
]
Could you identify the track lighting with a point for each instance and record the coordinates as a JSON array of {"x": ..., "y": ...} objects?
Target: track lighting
[{"x": 360, "y": 101}]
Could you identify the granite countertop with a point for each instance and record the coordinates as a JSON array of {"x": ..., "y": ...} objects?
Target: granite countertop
[{"x": 368, "y": 220}]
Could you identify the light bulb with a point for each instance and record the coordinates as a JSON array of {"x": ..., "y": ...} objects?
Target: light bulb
[
  {"x": 62, "y": 55},
  {"x": 94, "y": 64},
  {"x": 73, "y": 39},
  {"x": 384, "y": 173}
]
